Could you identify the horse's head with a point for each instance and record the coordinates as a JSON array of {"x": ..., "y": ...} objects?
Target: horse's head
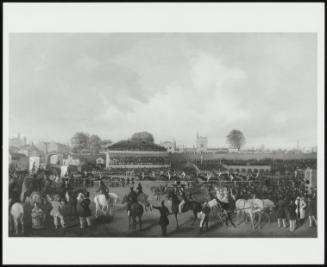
[{"x": 80, "y": 196}]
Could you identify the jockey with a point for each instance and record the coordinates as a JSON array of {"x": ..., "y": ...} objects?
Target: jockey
[
  {"x": 184, "y": 199},
  {"x": 103, "y": 189},
  {"x": 132, "y": 198}
]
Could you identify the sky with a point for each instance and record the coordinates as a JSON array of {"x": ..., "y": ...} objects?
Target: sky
[{"x": 172, "y": 85}]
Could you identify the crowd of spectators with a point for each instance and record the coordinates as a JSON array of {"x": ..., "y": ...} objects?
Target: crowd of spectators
[{"x": 139, "y": 161}]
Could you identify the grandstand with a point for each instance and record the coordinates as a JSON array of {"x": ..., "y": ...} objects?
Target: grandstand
[{"x": 137, "y": 157}]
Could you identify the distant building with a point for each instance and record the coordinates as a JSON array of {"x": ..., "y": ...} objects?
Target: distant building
[
  {"x": 233, "y": 150},
  {"x": 19, "y": 161},
  {"x": 30, "y": 151},
  {"x": 71, "y": 161},
  {"x": 56, "y": 159},
  {"x": 201, "y": 143},
  {"x": 217, "y": 150},
  {"x": 170, "y": 146},
  {"x": 247, "y": 168},
  {"x": 17, "y": 141},
  {"x": 100, "y": 161},
  {"x": 49, "y": 147}
]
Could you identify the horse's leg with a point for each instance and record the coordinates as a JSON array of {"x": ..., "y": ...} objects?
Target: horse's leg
[
  {"x": 259, "y": 220},
  {"x": 134, "y": 222},
  {"x": 140, "y": 222},
  {"x": 231, "y": 219},
  {"x": 16, "y": 225},
  {"x": 22, "y": 223},
  {"x": 110, "y": 210},
  {"x": 195, "y": 217},
  {"x": 97, "y": 210},
  {"x": 252, "y": 220},
  {"x": 176, "y": 221}
]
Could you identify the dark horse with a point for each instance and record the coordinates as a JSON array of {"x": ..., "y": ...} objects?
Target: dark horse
[
  {"x": 228, "y": 210},
  {"x": 189, "y": 205},
  {"x": 136, "y": 211}
]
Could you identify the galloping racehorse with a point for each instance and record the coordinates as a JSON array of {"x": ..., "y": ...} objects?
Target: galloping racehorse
[
  {"x": 136, "y": 211},
  {"x": 189, "y": 205}
]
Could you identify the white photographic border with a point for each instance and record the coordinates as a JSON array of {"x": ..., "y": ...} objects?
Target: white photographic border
[{"x": 164, "y": 17}]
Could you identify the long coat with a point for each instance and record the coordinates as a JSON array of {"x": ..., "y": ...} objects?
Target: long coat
[
  {"x": 291, "y": 211},
  {"x": 281, "y": 209},
  {"x": 83, "y": 208},
  {"x": 300, "y": 207},
  {"x": 164, "y": 212},
  {"x": 312, "y": 206}
]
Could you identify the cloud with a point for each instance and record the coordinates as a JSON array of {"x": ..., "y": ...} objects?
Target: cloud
[
  {"x": 172, "y": 85},
  {"x": 179, "y": 111}
]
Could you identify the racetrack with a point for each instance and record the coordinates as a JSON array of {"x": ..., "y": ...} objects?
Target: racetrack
[{"x": 117, "y": 226}]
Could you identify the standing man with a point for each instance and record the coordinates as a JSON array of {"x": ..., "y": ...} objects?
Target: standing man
[
  {"x": 163, "y": 221},
  {"x": 139, "y": 189},
  {"x": 281, "y": 211},
  {"x": 205, "y": 216},
  {"x": 312, "y": 210},
  {"x": 132, "y": 198},
  {"x": 184, "y": 199}
]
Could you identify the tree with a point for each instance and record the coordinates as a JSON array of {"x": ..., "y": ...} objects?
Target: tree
[
  {"x": 236, "y": 139},
  {"x": 143, "y": 137},
  {"x": 106, "y": 142},
  {"x": 80, "y": 141},
  {"x": 95, "y": 143}
]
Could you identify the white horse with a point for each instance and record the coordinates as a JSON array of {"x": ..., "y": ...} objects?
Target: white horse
[
  {"x": 252, "y": 207},
  {"x": 17, "y": 213},
  {"x": 102, "y": 205}
]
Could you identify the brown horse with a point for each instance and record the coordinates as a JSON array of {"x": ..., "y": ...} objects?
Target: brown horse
[
  {"x": 136, "y": 211},
  {"x": 194, "y": 206}
]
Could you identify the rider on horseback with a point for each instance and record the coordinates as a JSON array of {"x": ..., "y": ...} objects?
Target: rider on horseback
[
  {"x": 103, "y": 189},
  {"x": 132, "y": 198}
]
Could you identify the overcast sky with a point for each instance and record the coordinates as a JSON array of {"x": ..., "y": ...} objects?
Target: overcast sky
[{"x": 172, "y": 85}]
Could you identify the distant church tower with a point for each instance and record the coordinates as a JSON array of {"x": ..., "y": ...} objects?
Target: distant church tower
[{"x": 201, "y": 143}]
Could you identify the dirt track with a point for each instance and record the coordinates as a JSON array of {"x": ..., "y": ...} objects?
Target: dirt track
[{"x": 117, "y": 226}]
